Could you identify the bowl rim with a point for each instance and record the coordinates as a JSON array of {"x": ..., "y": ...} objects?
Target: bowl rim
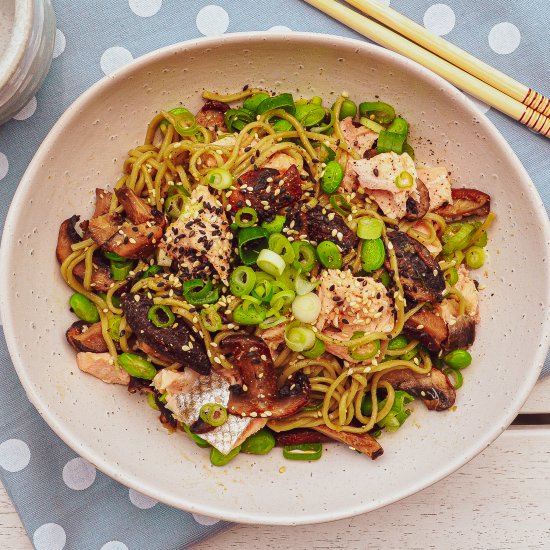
[{"x": 101, "y": 462}]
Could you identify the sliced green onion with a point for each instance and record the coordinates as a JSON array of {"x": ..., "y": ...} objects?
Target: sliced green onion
[
  {"x": 161, "y": 316},
  {"x": 398, "y": 413},
  {"x": 249, "y": 313},
  {"x": 407, "y": 148},
  {"x": 299, "y": 338},
  {"x": 325, "y": 126},
  {"x": 198, "y": 292},
  {"x": 272, "y": 321},
  {"x": 151, "y": 401},
  {"x": 332, "y": 177},
  {"x": 388, "y": 142},
  {"x": 282, "y": 101},
  {"x": 150, "y": 271},
  {"x": 305, "y": 256},
  {"x": 83, "y": 308},
  {"x": 340, "y": 204},
  {"x": 114, "y": 327},
  {"x": 213, "y": 414},
  {"x": 399, "y": 126},
  {"x": 309, "y": 114},
  {"x": 282, "y": 300},
  {"x": 263, "y": 291},
  {"x": 404, "y": 180},
  {"x": 316, "y": 351},
  {"x": 306, "y": 308},
  {"x": 250, "y": 217},
  {"x": 259, "y": 443},
  {"x": 366, "y": 351},
  {"x": 370, "y": 228},
  {"x": 271, "y": 262},
  {"x": 483, "y": 239},
  {"x": 304, "y": 451},
  {"x": 137, "y": 366},
  {"x": 219, "y": 459},
  {"x": 303, "y": 285},
  {"x": 316, "y": 100},
  {"x": 251, "y": 241},
  {"x": 380, "y": 112},
  {"x": 372, "y": 254},
  {"x": 475, "y": 257},
  {"x": 121, "y": 270},
  {"x": 456, "y": 236},
  {"x": 219, "y": 178},
  {"x": 371, "y": 125},
  {"x": 279, "y": 244},
  {"x": 324, "y": 153},
  {"x": 114, "y": 256},
  {"x": 197, "y": 439},
  {"x": 242, "y": 281},
  {"x": 282, "y": 125},
  {"x": 451, "y": 275},
  {"x": 211, "y": 319},
  {"x": 183, "y": 121},
  {"x": 174, "y": 205},
  {"x": 114, "y": 298},
  {"x": 237, "y": 119},
  {"x": 458, "y": 359},
  {"x": 276, "y": 225},
  {"x": 251, "y": 103},
  {"x": 329, "y": 255},
  {"x": 456, "y": 375},
  {"x": 399, "y": 342}
]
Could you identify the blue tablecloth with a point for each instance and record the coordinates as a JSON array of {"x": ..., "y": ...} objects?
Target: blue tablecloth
[{"x": 62, "y": 500}]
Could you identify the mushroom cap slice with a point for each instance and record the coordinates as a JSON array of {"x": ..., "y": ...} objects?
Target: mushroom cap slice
[
  {"x": 420, "y": 274},
  {"x": 259, "y": 395},
  {"x": 433, "y": 388},
  {"x": 168, "y": 342}
]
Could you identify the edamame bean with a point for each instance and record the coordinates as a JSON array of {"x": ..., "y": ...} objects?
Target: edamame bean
[
  {"x": 137, "y": 366},
  {"x": 83, "y": 308}
]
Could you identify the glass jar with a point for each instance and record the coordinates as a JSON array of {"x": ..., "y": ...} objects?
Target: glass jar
[{"x": 27, "y": 35}]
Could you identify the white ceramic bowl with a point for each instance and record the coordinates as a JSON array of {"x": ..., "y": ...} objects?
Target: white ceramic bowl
[{"x": 121, "y": 435}]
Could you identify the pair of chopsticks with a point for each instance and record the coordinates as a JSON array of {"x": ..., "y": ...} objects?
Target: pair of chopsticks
[{"x": 390, "y": 29}]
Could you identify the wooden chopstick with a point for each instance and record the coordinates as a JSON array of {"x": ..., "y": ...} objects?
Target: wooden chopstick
[
  {"x": 455, "y": 55},
  {"x": 463, "y": 80}
]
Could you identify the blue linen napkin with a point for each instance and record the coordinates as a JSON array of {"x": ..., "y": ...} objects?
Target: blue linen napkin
[{"x": 62, "y": 500}]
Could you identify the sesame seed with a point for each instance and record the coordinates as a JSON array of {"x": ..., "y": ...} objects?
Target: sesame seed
[{"x": 137, "y": 297}]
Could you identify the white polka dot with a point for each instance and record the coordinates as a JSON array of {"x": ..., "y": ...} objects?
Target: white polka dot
[
  {"x": 205, "y": 520},
  {"x": 114, "y": 545},
  {"x": 27, "y": 111},
  {"x": 78, "y": 474},
  {"x": 212, "y": 20},
  {"x": 49, "y": 536},
  {"x": 114, "y": 58},
  {"x": 141, "y": 501},
  {"x": 504, "y": 38},
  {"x": 4, "y": 165},
  {"x": 483, "y": 107},
  {"x": 60, "y": 43},
  {"x": 279, "y": 28},
  {"x": 440, "y": 19},
  {"x": 145, "y": 8},
  {"x": 15, "y": 455}
]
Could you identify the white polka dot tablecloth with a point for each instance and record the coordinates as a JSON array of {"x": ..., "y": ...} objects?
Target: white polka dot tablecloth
[{"x": 64, "y": 502}]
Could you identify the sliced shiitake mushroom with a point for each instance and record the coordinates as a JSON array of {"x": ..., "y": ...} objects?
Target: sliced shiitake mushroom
[
  {"x": 466, "y": 203},
  {"x": 420, "y": 274}
]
